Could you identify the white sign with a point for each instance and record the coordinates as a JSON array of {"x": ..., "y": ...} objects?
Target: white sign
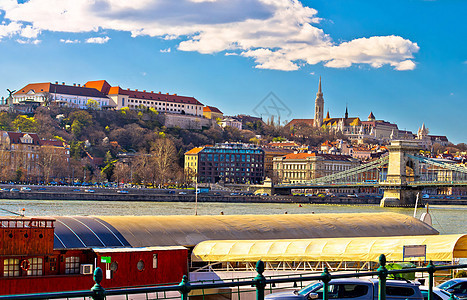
[{"x": 414, "y": 251}]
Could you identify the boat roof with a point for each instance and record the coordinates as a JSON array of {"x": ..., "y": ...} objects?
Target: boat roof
[{"x": 189, "y": 230}]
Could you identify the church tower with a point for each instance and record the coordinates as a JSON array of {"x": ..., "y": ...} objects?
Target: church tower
[{"x": 319, "y": 107}]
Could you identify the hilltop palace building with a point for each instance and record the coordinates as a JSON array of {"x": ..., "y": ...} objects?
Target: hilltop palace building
[
  {"x": 359, "y": 130},
  {"x": 106, "y": 97}
]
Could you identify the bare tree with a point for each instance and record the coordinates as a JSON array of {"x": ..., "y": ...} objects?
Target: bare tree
[{"x": 164, "y": 156}]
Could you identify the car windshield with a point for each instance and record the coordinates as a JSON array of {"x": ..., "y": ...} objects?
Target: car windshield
[
  {"x": 447, "y": 284},
  {"x": 310, "y": 288}
]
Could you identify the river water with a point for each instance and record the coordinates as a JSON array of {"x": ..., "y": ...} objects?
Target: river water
[{"x": 446, "y": 219}]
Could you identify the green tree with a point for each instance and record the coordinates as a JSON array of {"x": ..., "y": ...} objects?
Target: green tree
[
  {"x": 25, "y": 123},
  {"x": 79, "y": 119},
  {"x": 109, "y": 169},
  {"x": 92, "y": 104}
]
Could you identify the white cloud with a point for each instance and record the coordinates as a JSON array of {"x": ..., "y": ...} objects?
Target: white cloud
[
  {"x": 68, "y": 41},
  {"x": 97, "y": 40},
  {"x": 22, "y": 41},
  {"x": 275, "y": 34},
  {"x": 165, "y": 50}
]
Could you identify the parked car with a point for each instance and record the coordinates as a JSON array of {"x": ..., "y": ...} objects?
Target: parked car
[
  {"x": 182, "y": 193},
  {"x": 25, "y": 189},
  {"x": 456, "y": 286},
  {"x": 439, "y": 294},
  {"x": 14, "y": 190},
  {"x": 171, "y": 192},
  {"x": 89, "y": 191},
  {"x": 363, "y": 289},
  {"x": 4, "y": 189},
  {"x": 41, "y": 189},
  {"x": 122, "y": 191}
]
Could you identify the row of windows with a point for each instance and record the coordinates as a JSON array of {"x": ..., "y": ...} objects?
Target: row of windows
[
  {"x": 34, "y": 266},
  {"x": 310, "y": 167},
  {"x": 220, "y": 150},
  {"x": 230, "y": 157},
  {"x": 209, "y": 165},
  {"x": 234, "y": 174},
  {"x": 159, "y": 103}
]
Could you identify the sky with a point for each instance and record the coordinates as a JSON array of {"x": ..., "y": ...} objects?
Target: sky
[{"x": 405, "y": 61}]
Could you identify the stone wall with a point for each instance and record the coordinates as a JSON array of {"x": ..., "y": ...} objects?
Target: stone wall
[{"x": 185, "y": 121}]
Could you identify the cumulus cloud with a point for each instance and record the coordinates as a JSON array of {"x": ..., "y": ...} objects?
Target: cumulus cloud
[
  {"x": 97, "y": 40},
  {"x": 165, "y": 50},
  {"x": 275, "y": 34},
  {"x": 68, "y": 41}
]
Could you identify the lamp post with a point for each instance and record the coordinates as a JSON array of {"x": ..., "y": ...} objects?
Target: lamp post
[{"x": 196, "y": 195}]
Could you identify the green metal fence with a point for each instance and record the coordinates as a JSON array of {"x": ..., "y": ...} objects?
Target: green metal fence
[{"x": 97, "y": 292}]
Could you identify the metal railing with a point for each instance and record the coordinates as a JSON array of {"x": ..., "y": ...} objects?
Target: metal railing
[{"x": 97, "y": 292}]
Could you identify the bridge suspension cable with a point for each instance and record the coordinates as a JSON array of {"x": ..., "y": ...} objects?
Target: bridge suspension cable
[{"x": 353, "y": 172}]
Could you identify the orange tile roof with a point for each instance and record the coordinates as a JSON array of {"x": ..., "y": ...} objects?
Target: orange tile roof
[
  {"x": 195, "y": 150},
  {"x": 143, "y": 95},
  {"x": 298, "y": 155},
  {"x": 100, "y": 85},
  {"x": 211, "y": 109}
]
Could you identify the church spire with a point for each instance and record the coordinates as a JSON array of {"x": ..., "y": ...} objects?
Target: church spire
[
  {"x": 327, "y": 115},
  {"x": 346, "y": 112},
  {"x": 319, "y": 106}
]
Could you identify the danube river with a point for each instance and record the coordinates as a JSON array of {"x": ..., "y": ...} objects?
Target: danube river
[{"x": 446, "y": 219}]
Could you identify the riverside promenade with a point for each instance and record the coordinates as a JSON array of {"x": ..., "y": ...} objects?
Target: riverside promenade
[{"x": 163, "y": 195}]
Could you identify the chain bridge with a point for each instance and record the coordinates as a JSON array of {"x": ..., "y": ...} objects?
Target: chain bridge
[{"x": 401, "y": 174}]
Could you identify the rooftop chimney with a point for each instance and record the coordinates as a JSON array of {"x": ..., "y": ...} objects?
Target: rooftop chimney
[
  {"x": 144, "y": 91},
  {"x": 74, "y": 84},
  {"x": 63, "y": 83},
  {"x": 79, "y": 84},
  {"x": 56, "y": 82}
]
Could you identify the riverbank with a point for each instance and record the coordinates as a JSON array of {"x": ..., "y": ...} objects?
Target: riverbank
[{"x": 221, "y": 198}]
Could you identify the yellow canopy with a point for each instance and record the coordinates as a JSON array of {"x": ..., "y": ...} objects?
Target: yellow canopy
[{"x": 438, "y": 248}]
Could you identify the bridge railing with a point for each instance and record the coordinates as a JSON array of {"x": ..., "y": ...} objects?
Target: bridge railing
[{"x": 259, "y": 282}]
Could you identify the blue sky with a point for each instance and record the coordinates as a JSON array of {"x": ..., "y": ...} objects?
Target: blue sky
[{"x": 406, "y": 61}]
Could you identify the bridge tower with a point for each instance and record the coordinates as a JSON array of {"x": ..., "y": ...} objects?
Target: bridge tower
[{"x": 401, "y": 171}]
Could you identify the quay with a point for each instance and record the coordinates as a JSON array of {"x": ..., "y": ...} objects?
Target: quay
[{"x": 150, "y": 195}]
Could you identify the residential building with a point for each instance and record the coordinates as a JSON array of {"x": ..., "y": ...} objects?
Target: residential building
[
  {"x": 302, "y": 167},
  {"x": 34, "y": 157},
  {"x": 231, "y": 122},
  {"x": 250, "y": 122},
  {"x": 133, "y": 99},
  {"x": 290, "y": 145},
  {"x": 74, "y": 96},
  {"x": 269, "y": 155},
  {"x": 213, "y": 113},
  {"x": 228, "y": 162}
]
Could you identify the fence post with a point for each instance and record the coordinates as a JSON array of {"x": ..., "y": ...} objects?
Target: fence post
[
  {"x": 184, "y": 288},
  {"x": 383, "y": 273},
  {"x": 260, "y": 280},
  {"x": 326, "y": 279},
  {"x": 98, "y": 292},
  {"x": 431, "y": 271}
]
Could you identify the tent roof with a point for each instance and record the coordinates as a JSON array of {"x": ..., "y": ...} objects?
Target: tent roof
[{"x": 438, "y": 248}]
